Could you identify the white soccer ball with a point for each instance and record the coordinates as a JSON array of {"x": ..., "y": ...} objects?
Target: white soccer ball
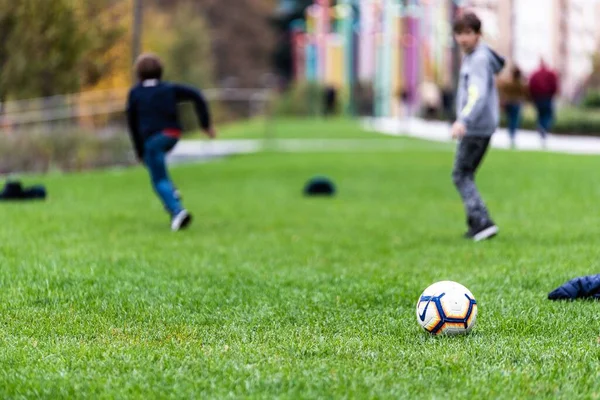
[{"x": 447, "y": 308}]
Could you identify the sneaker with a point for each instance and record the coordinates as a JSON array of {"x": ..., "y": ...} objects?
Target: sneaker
[
  {"x": 487, "y": 231},
  {"x": 181, "y": 221}
]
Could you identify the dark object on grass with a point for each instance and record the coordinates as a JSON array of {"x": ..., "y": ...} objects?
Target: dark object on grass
[
  {"x": 319, "y": 186},
  {"x": 585, "y": 287},
  {"x": 14, "y": 191}
]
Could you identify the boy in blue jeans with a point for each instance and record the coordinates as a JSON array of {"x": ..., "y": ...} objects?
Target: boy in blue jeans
[{"x": 155, "y": 128}]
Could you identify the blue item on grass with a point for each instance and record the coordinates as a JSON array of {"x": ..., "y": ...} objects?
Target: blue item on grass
[{"x": 583, "y": 287}]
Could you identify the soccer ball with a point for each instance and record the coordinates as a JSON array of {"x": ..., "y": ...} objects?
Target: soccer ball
[{"x": 447, "y": 308}]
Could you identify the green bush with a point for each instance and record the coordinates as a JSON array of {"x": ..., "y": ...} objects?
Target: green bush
[
  {"x": 302, "y": 100},
  {"x": 591, "y": 99},
  {"x": 568, "y": 121},
  {"x": 67, "y": 150}
]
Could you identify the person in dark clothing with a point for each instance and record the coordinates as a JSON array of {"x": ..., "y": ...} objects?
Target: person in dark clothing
[
  {"x": 155, "y": 128},
  {"x": 448, "y": 102},
  {"x": 543, "y": 87},
  {"x": 330, "y": 101}
]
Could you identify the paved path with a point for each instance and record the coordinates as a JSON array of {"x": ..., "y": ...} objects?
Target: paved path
[
  {"x": 202, "y": 150},
  {"x": 526, "y": 140}
]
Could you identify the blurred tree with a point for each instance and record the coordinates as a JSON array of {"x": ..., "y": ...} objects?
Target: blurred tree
[
  {"x": 106, "y": 26},
  {"x": 7, "y": 23},
  {"x": 43, "y": 48},
  {"x": 189, "y": 59},
  {"x": 67, "y": 45},
  {"x": 288, "y": 11},
  {"x": 60, "y": 47},
  {"x": 240, "y": 35},
  {"x": 103, "y": 29}
]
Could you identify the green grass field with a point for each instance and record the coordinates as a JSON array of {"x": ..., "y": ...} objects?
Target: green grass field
[
  {"x": 286, "y": 128},
  {"x": 273, "y": 295}
]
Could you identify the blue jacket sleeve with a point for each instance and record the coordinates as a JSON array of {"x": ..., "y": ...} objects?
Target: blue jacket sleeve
[{"x": 188, "y": 93}]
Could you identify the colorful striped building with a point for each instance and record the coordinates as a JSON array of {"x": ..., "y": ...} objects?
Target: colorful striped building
[{"x": 393, "y": 45}]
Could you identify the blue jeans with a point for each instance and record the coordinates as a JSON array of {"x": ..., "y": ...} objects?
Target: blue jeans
[
  {"x": 545, "y": 110},
  {"x": 155, "y": 152},
  {"x": 513, "y": 114}
]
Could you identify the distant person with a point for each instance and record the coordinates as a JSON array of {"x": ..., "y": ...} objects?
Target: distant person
[
  {"x": 543, "y": 87},
  {"x": 406, "y": 101},
  {"x": 477, "y": 120},
  {"x": 431, "y": 99},
  {"x": 448, "y": 102},
  {"x": 330, "y": 101},
  {"x": 513, "y": 93},
  {"x": 155, "y": 128}
]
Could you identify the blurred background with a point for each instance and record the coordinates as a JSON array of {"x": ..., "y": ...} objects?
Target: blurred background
[{"x": 65, "y": 65}]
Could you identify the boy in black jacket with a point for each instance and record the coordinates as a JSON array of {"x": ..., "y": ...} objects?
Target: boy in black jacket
[{"x": 155, "y": 128}]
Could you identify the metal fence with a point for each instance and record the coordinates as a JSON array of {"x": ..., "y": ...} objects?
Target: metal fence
[{"x": 105, "y": 110}]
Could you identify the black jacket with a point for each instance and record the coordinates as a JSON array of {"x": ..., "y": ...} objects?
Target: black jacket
[
  {"x": 583, "y": 287},
  {"x": 152, "y": 108}
]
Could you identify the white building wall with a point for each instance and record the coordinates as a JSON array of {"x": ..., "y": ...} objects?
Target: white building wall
[
  {"x": 581, "y": 43},
  {"x": 534, "y": 30}
]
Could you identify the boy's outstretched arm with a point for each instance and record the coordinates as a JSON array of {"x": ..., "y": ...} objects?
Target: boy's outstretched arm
[
  {"x": 132, "y": 122},
  {"x": 187, "y": 93}
]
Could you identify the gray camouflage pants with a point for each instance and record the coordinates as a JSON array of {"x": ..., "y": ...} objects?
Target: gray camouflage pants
[{"x": 469, "y": 154}]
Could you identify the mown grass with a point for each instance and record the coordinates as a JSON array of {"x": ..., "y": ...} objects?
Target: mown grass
[
  {"x": 291, "y": 128},
  {"x": 274, "y": 295}
]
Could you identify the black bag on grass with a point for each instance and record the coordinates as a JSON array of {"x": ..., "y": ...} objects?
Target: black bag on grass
[{"x": 14, "y": 191}]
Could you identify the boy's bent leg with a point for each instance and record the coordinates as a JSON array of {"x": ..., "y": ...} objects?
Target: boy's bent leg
[
  {"x": 154, "y": 157},
  {"x": 469, "y": 155}
]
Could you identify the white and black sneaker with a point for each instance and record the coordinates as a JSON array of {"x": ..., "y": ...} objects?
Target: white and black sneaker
[
  {"x": 181, "y": 221},
  {"x": 486, "y": 231}
]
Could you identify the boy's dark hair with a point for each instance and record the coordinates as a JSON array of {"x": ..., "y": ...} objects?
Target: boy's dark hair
[
  {"x": 148, "y": 66},
  {"x": 467, "y": 22}
]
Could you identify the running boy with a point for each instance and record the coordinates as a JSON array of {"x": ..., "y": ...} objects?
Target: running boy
[
  {"x": 477, "y": 120},
  {"x": 155, "y": 128}
]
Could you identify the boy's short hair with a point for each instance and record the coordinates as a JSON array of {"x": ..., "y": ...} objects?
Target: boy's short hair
[
  {"x": 148, "y": 66},
  {"x": 467, "y": 22}
]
